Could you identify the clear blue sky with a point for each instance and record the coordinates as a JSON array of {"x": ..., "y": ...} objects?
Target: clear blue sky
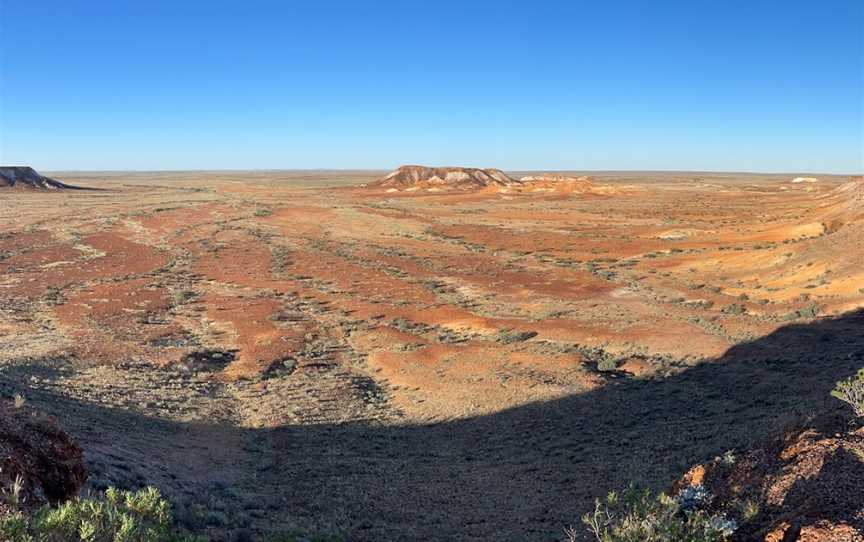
[{"x": 709, "y": 85}]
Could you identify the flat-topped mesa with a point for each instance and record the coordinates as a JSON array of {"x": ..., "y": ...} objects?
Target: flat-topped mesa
[
  {"x": 27, "y": 178},
  {"x": 442, "y": 178}
]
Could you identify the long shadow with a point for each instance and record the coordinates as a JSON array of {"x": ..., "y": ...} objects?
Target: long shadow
[{"x": 520, "y": 474}]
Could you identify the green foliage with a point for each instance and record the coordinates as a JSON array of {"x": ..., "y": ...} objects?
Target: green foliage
[
  {"x": 638, "y": 516},
  {"x": 120, "y": 516},
  {"x": 14, "y": 528},
  {"x": 851, "y": 391}
]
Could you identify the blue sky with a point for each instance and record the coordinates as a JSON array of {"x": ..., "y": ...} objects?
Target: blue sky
[{"x": 705, "y": 85}]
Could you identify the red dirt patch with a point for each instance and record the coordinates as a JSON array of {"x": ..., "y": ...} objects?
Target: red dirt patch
[{"x": 251, "y": 324}]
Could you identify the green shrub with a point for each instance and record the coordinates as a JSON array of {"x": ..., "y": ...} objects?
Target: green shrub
[
  {"x": 510, "y": 336},
  {"x": 810, "y": 311},
  {"x": 638, "y": 516},
  {"x": 607, "y": 364},
  {"x": 734, "y": 308},
  {"x": 14, "y": 528},
  {"x": 120, "y": 516},
  {"x": 851, "y": 391}
]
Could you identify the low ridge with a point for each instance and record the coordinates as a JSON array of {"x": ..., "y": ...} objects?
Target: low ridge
[{"x": 844, "y": 204}]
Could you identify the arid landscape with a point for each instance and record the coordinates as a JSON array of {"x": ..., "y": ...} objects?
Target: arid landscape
[{"x": 447, "y": 354}]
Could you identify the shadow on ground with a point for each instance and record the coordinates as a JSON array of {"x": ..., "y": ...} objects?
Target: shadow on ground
[{"x": 521, "y": 474}]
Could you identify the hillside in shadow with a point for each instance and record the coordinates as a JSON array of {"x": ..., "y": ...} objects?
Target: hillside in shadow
[{"x": 520, "y": 474}]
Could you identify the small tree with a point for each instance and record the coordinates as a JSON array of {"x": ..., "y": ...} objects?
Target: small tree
[{"x": 851, "y": 391}]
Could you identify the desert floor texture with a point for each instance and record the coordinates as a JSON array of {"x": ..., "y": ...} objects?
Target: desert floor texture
[{"x": 278, "y": 349}]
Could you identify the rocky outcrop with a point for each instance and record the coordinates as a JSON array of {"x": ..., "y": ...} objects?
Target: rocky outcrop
[
  {"x": 442, "y": 178},
  {"x": 802, "y": 486},
  {"x": 27, "y": 178},
  {"x": 35, "y": 451}
]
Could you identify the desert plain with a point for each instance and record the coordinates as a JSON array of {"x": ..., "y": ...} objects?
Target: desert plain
[{"x": 280, "y": 349}]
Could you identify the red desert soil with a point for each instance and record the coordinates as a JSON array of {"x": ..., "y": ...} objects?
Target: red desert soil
[{"x": 321, "y": 351}]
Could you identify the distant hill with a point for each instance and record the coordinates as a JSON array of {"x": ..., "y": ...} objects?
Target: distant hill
[
  {"x": 442, "y": 178},
  {"x": 27, "y": 178}
]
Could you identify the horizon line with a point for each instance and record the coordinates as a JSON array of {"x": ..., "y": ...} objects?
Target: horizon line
[{"x": 375, "y": 170}]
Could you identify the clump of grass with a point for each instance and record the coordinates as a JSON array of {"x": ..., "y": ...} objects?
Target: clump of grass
[
  {"x": 12, "y": 496},
  {"x": 263, "y": 212},
  {"x": 18, "y": 401},
  {"x": 851, "y": 391},
  {"x": 750, "y": 510}
]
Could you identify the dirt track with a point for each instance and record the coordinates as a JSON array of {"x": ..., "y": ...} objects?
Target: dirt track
[{"x": 463, "y": 366}]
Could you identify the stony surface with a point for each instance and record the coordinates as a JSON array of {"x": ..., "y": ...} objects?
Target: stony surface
[{"x": 805, "y": 484}]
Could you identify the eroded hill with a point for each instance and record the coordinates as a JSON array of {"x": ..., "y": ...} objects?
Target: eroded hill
[
  {"x": 442, "y": 178},
  {"x": 26, "y": 178}
]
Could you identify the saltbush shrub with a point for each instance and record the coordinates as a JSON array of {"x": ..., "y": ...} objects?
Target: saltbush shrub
[
  {"x": 640, "y": 516},
  {"x": 851, "y": 391},
  {"x": 119, "y": 516}
]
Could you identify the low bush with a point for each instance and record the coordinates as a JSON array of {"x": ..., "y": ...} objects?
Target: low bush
[
  {"x": 640, "y": 516},
  {"x": 734, "y": 308},
  {"x": 851, "y": 391},
  {"x": 510, "y": 336},
  {"x": 119, "y": 516}
]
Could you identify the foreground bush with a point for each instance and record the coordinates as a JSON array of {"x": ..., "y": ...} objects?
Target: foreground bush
[
  {"x": 121, "y": 516},
  {"x": 638, "y": 516},
  {"x": 851, "y": 391}
]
